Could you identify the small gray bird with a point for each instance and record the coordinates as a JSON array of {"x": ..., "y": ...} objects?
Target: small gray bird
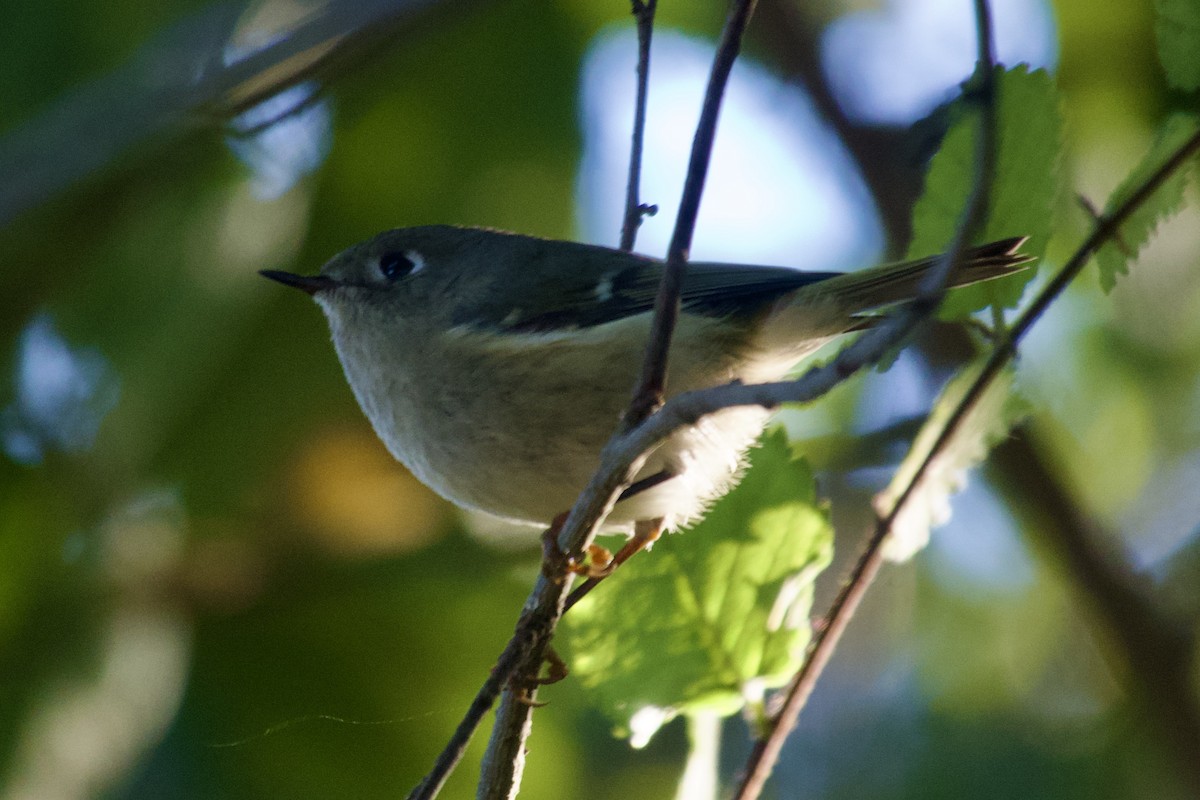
[{"x": 495, "y": 366}]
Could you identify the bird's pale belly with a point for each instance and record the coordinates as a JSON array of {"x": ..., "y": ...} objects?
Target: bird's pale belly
[
  {"x": 536, "y": 477},
  {"x": 497, "y": 436}
]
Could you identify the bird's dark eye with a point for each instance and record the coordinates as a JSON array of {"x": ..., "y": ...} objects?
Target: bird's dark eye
[{"x": 395, "y": 265}]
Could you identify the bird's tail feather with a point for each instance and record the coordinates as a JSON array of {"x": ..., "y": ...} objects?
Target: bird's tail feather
[{"x": 886, "y": 284}]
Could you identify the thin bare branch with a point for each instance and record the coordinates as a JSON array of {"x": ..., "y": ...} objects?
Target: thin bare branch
[
  {"x": 485, "y": 698},
  {"x": 501, "y": 775},
  {"x": 844, "y": 605},
  {"x": 648, "y": 395},
  {"x": 643, "y": 12},
  {"x": 623, "y": 455},
  {"x": 765, "y": 753}
]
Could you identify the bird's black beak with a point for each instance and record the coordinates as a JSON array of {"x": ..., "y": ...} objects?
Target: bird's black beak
[{"x": 305, "y": 283}]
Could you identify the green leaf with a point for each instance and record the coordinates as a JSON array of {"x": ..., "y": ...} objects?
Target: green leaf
[
  {"x": 998, "y": 409},
  {"x": 1114, "y": 257},
  {"x": 714, "y": 615},
  {"x": 1023, "y": 195},
  {"x": 1178, "y": 29}
]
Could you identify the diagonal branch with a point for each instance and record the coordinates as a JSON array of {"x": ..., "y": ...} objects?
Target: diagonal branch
[
  {"x": 844, "y": 605},
  {"x": 765, "y": 753},
  {"x": 505, "y": 754},
  {"x": 648, "y": 395},
  {"x": 518, "y": 666},
  {"x": 623, "y": 455}
]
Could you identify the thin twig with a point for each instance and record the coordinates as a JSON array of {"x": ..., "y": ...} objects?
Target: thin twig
[
  {"x": 648, "y": 395},
  {"x": 844, "y": 605},
  {"x": 623, "y": 455},
  {"x": 513, "y": 653},
  {"x": 643, "y": 12},
  {"x": 765, "y": 753},
  {"x": 454, "y": 749},
  {"x": 501, "y": 772}
]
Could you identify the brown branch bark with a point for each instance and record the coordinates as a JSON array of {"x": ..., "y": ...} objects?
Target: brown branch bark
[
  {"x": 648, "y": 395},
  {"x": 825, "y": 639},
  {"x": 505, "y": 753},
  {"x": 765, "y": 752}
]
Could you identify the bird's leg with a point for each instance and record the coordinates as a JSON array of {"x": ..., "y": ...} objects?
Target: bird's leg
[
  {"x": 645, "y": 533},
  {"x": 599, "y": 562},
  {"x": 556, "y": 564}
]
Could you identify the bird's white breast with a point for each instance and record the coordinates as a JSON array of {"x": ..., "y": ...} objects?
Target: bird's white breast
[{"x": 513, "y": 424}]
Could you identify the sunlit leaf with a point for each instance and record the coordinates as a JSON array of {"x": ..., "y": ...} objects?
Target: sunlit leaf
[
  {"x": 713, "y": 615},
  {"x": 988, "y": 421},
  {"x": 1178, "y": 29},
  {"x": 1115, "y": 256},
  {"x": 1023, "y": 192}
]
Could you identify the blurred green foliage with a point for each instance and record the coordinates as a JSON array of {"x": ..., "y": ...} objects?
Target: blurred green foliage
[
  {"x": 190, "y": 608},
  {"x": 716, "y": 616},
  {"x": 1178, "y": 29},
  {"x": 1113, "y": 259},
  {"x": 1024, "y": 192}
]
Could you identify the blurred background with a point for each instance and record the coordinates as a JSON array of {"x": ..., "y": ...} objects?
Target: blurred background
[{"x": 214, "y": 581}]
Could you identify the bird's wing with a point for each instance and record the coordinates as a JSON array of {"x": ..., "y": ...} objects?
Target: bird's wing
[{"x": 603, "y": 285}]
